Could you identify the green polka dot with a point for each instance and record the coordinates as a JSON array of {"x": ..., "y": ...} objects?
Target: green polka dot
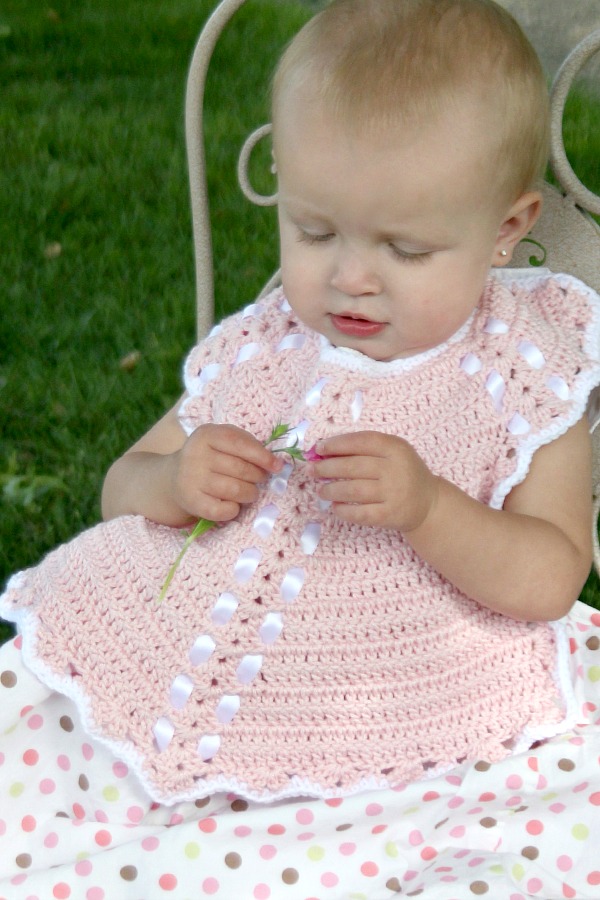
[
  {"x": 315, "y": 853},
  {"x": 110, "y": 793},
  {"x": 16, "y": 789},
  {"x": 391, "y": 849},
  {"x": 594, "y": 673},
  {"x": 411, "y": 811},
  {"x": 551, "y": 796},
  {"x": 192, "y": 850},
  {"x": 497, "y": 870},
  {"x": 518, "y": 871},
  {"x": 580, "y": 832}
]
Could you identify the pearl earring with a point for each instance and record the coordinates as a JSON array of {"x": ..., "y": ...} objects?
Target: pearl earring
[{"x": 504, "y": 253}]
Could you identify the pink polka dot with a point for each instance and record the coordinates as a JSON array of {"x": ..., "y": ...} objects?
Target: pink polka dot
[
  {"x": 557, "y": 807},
  {"x": 458, "y": 831},
  {"x": 347, "y": 849},
  {"x": 120, "y": 770},
  {"x": 101, "y": 816},
  {"x": 261, "y": 892},
  {"x": 268, "y": 851},
  {"x": 431, "y": 795},
  {"x": 428, "y": 853},
  {"x": 167, "y": 882},
  {"x": 210, "y": 885},
  {"x": 2, "y": 758},
  {"x": 306, "y": 836},
  {"x": 329, "y": 879},
  {"x": 2, "y": 827},
  {"x": 534, "y": 826},
  {"x": 35, "y": 722},
  {"x": 28, "y": 823},
  {"x": 61, "y": 891},
  {"x": 595, "y": 618},
  {"x": 593, "y": 878},
  {"x": 595, "y": 798},
  {"x": 378, "y": 829},
  {"x": 83, "y": 867},
  {"x": 242, "y": 831},
  {"x": 334, "y": 801},
  {"x": 31, "y": 757},
  {"x": 175, "y": 819},
  {"x": 63, "y": 762},
  {"x": 564, "y": 863},
  {"x": 18, "y": 641},
  {"x": 87, "y": 751},
  {"x": 415, "y": 838},
  {"x": 369, "y": 869},
  {"x": 276, "y": 829},
  {"x": 374, "y": 809},
  {"x": 95, "y": 893},
  {"x": 78, "y": 811},
  {"x": 135, "y": 814},
  {"x": 533, "y": 764},
  {"x": 150, "y": 844},
  {"x": 103, "y": 838},
  {"x": 304, "y": 817},
  {"x": 580, "y": 787},
  {"x": 207, "y": 826},
  {"x": 534, "y": 885},
  {"x": 455, "y": 802},
  {"x": 51, "y": 840},
  {"x": 25, "y": 711},
  {"x": 47, "y": 786},
  {"x": 514, "y": 782},
  {"x": 568, "y": 892}
]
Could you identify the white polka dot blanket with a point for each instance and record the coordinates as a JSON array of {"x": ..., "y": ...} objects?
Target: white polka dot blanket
[{"x": 74, "y": 823}]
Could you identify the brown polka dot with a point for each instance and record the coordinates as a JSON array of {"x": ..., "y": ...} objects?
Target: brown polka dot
[
  {"x": 233, "y": 860},
  {"x": 488, "y": 822},
  {"x": 530, "y": 852},
  {"x": 479, "y": 887},
  {"x": 443, "y": 822},
  {"x": 344, "y": 827},
  {"x": 8, "y": 679},
  {"x": 66, "y": 723},
  {"x": 482, "y": 766},
  {"x": 290, "y": 876},
  {"x": 62, "y": 815},
  {"x": 393, "y": 885},
  {"x": 592, "y": 643},
  {"x": 415, "y": 893},
  {"x": 567, "y": 765},
  {"x": 203, "y": 801},
  {"x": 128, "y": 873},
  {"x": 84, "y": 783},
  {"x": 23, "y": 860},
  {"x": 239, "y": 805}
]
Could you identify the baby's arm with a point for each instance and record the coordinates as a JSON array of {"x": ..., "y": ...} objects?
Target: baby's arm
[
  {"x": 173, "y": 479},
  {"x": 528, "y": 560}
]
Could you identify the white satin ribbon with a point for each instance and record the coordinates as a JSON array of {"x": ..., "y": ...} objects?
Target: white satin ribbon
[
  {"x": 251, "y": 310},
  {"x": 284, "y": 306},
  {"x": 201, "y": 650},
  {"x": 496, "y": 387},
  {"x": 163, "y": 731},
  {"x": 265, "y": 520},
  {"x": 558, "y": 386},
  {"x": 208, "y": 746},
  {"x": 246, "y": 352},
  {"x": 324, "y": 504},
  {"x": 531, "y": 354},
  {"x": 271, "y": 628},
  {"x": 228, "y": 706},
  {"x": 310, "y": 537},
  {"x": 296, "y": 435},
  {"x": 181, "y": 690},
  {"x": 291, "y": 584},
  {"x": 245, "y": 564},
  {"x": 314, "y": 394},
  {"x": 209, "y": 373},
  {"x": 495, "y": 326},
  {"x": 291, "y": 342},
  {"x": 278, "y": 483},
  {"x": 356, "y": 406},
  {"x": 249, "y": 667},
  {"x": 518, "y": 425},
  {"x": 470, "y": 364},
  {"x": 224, "y": 608},
  {"x": 215, "y": 330}
]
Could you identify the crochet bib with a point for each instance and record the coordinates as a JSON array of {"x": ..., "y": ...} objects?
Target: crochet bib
[{"x": 296, "y": 654}]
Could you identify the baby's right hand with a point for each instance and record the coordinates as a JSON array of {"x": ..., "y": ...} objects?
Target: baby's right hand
[{"x": 218, "y": 469}]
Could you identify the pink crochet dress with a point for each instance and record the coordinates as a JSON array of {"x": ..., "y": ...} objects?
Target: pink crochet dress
[{"x": 296, "y": 654}]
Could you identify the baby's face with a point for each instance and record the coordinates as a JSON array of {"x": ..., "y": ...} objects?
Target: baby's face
[{"x": 386, "y": 240}]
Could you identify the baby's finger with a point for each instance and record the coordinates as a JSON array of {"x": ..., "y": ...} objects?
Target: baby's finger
[
  {"x": 354, "y": 491},
  {"x": 358, "y": 443},
  {"x": 236, "y": 442},
  {"x": 348, "y": 467}
]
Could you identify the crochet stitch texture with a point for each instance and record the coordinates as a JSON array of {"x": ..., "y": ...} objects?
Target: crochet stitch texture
[{"x": 295, "y": 653}]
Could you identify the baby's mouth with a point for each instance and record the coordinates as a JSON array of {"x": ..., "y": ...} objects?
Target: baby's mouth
[{"x": 355, "y": 326}]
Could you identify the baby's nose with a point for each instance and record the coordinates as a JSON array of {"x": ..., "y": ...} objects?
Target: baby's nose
[{"x": 354, "y": 274}]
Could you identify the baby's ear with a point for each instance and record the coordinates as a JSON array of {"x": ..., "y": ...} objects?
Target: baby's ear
[{"x": 520, "y": 219}]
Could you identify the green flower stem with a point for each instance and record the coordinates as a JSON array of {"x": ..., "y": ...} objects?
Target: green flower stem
[{"x": 204, "y": 525}]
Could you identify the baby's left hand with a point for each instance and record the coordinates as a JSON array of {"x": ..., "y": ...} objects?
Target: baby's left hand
[{"x": 375, "y": 479}]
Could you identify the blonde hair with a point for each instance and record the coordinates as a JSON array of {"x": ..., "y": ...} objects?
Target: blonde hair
[{"x": 377, "y": 63}]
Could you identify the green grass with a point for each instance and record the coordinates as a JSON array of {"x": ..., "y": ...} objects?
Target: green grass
[{"x": 93, "y": 160}]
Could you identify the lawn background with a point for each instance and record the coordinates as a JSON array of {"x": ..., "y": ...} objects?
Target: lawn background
[{"x": 95, "y": 230}]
